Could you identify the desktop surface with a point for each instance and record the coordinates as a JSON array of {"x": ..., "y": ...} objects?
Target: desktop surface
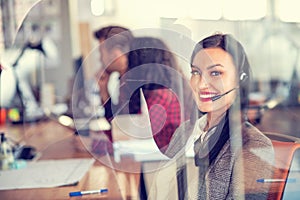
[{"x": 57, "y": 142}]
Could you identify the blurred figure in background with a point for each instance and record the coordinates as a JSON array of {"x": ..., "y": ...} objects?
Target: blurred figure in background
[
  {"x": 152, "y": 68},
  {"x": 165, "y": 88},
  {"x": 114, "y": 43}
]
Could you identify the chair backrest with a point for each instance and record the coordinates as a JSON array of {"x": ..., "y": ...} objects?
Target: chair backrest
[{"x": 284, "y": 148}]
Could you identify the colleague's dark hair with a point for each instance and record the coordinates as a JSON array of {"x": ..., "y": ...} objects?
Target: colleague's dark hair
[
  {"x": 145, "y": 50},
  {"x": 229, "y": 44},
  {"x": 115, "y": 36},
  {"x": 154, "y": 53},
  {"x": 153, "y": 66}
]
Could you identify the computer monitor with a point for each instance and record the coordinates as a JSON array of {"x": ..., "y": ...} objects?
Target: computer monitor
[{"x": 292, "y": 186}]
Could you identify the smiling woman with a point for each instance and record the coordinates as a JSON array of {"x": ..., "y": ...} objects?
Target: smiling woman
[
  {"x": 214, "y": 79},
  {"x": 229, "y": 153},
  {"x": 220, "y": 76}
]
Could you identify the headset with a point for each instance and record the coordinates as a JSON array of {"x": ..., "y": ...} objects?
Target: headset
[{"x": 243, "y": 77}]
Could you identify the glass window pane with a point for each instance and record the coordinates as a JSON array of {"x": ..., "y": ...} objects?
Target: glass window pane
[
  {"x": 203, "y": 9},
  {"x": 244, "y": 9},
  {"x": 288, "y": 10}
]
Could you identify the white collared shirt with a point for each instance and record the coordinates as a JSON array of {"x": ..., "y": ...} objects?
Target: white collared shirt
[{"x": 197, "y": 132}]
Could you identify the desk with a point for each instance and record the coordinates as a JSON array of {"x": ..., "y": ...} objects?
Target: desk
[{"x": 57, "y": 142}]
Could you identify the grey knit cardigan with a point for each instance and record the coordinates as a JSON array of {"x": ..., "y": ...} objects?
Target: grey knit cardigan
[{"x": 246, "y": 157}]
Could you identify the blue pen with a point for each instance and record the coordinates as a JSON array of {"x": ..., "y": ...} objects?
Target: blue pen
[
  {"x": 263, "y": 180},
  {"x": 80, "y": 193}
]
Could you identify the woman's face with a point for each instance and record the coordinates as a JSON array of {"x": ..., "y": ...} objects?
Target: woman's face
[{"x": 213, "y": 73}]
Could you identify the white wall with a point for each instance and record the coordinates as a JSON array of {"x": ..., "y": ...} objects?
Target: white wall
[
  {"x": 271, "y": 57},
  {"x": 272, "y": 46}
]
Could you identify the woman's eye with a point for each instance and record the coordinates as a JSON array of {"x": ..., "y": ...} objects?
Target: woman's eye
[
  {"x": 215, "y": 73},
  {"x": 195, "y": 72}
]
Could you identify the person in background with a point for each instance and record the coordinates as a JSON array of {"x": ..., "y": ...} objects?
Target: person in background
[
  {"x": 152, "y": 67},
  {"x": 114, "y": 43},
  {"x": 231, "y": 154}
]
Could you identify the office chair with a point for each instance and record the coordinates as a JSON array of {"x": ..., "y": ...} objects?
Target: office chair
[{"x": 285, "y": 148}]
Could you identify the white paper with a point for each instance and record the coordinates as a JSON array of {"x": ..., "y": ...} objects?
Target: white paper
[
  {"x": 139, "y": 141},
  {"x": 45, "y": 174},
  {"x": 141, "y": 150},
  {"x": 139, "y": 138}
]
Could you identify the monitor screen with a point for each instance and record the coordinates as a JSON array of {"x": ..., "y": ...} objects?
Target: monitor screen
[{"x": 292, "y": 186}]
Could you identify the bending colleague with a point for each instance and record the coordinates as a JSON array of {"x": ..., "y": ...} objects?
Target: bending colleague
[
  {"x": 165, "y": 86},
  {"x": 152, "y": 68}
]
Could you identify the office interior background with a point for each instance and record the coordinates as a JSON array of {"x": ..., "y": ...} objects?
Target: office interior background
[{"x": 268, "y": 29}]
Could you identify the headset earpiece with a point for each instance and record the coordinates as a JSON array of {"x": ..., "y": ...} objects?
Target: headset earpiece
[{"x": 243, "y": 76}]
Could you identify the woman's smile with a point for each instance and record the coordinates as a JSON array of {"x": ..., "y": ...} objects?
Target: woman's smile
[{"x": 206, "y": 96}]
